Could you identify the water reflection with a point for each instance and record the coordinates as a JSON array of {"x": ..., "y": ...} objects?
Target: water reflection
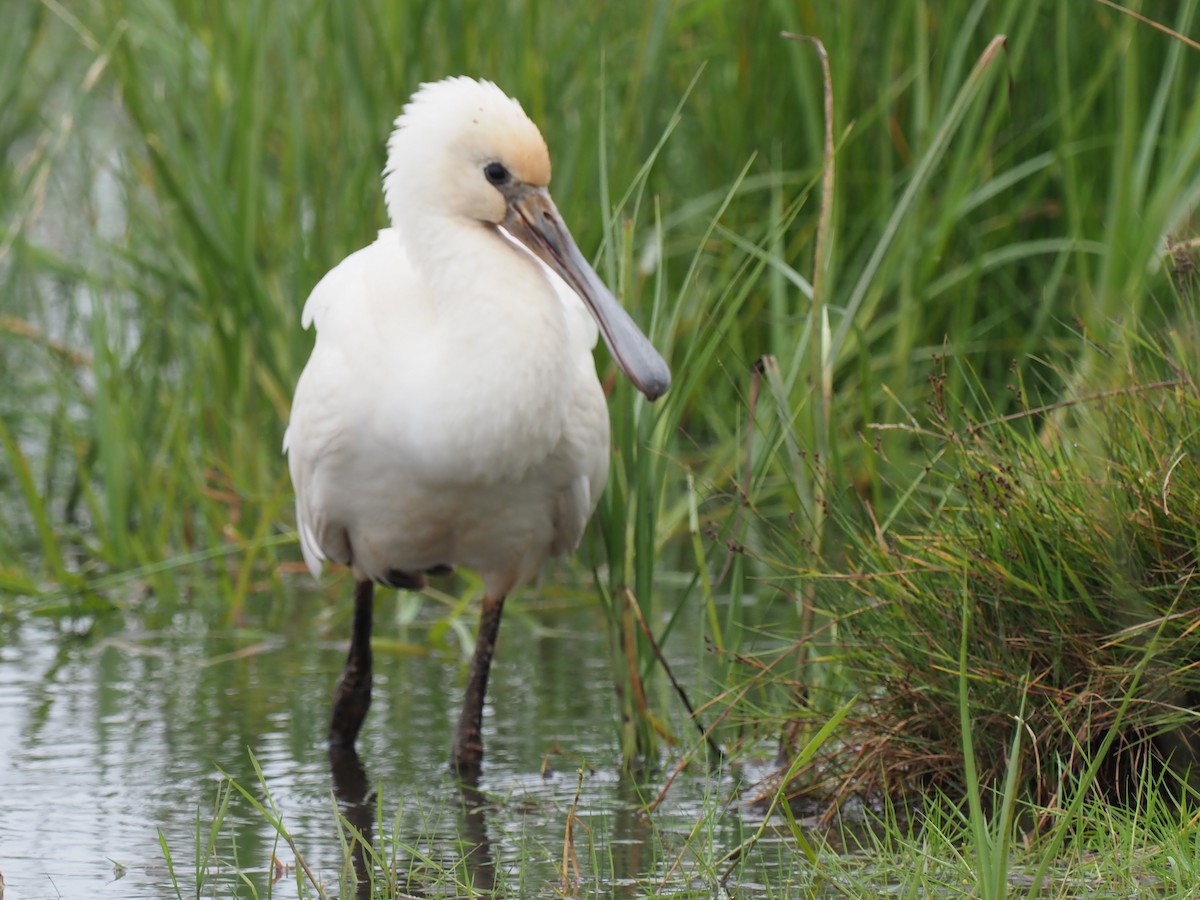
[
  {"x": 357, "y": 806},
  {"x": 358, "y": 809},
  {"x": 632, "y": 841},
  {"x": 115, "y": 736},
  {"x": 480, "y": 862}
]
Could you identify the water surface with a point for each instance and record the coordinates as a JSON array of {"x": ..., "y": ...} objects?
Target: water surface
[{"x": 116, "y": 729}]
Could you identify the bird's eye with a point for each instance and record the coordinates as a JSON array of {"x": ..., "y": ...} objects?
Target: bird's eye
[{"x": 496, "y": 173}]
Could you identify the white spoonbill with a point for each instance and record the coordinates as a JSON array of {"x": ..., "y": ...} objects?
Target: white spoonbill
[{"x": 450, "y": 414}]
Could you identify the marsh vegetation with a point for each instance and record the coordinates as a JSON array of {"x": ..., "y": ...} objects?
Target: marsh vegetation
[{"x": 916, "y": 527}]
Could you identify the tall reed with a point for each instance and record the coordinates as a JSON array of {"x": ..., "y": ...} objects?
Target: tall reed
[{"x": 182, "y": 174}]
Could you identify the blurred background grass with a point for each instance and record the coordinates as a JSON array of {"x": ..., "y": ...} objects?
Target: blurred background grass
[{"x": 178, "y": 175}]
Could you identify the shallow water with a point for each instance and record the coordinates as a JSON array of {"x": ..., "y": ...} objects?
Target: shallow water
[{"x": 121, "y": 730}]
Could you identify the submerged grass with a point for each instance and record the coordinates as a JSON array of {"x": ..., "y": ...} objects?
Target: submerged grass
[
  {"x": 378, "y": 854},
  {"x": 1145, "y": 844}
]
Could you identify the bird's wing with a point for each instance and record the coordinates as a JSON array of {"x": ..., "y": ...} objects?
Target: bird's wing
[{"x": 334, "y": 391}]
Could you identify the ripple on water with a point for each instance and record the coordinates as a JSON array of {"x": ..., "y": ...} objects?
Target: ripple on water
[{"x": 105, "y": 743}]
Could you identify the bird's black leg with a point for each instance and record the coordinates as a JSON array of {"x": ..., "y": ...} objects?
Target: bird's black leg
[
  {"x": 467, "y": 753},
  {"x": 352, "y": 698}
]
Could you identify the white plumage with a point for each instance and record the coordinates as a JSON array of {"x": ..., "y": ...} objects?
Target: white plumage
[{"x": 450, "y": 414}]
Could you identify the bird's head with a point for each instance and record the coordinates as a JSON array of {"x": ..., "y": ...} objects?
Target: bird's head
[
  {"x": 464, "y": 149},
  {"x": 457, "y": 146}
]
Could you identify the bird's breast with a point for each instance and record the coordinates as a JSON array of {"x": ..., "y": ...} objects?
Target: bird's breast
[
  {"x": 488, "y": 393},
  {"x": 447, "y": 420}
]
